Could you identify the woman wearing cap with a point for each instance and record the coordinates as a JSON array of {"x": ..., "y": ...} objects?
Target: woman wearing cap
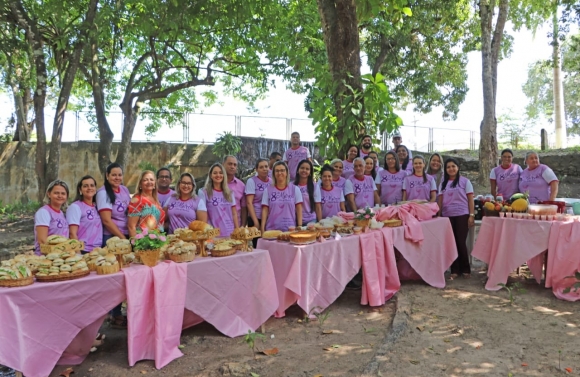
[
  {"x": 505, "y": 178},
  {"x": 84, "y": 221},
  {"x": 112, "y": 202},
  {"x": 144, "y": 209},
  {"x": 184, "y": 206},
  {"x": 49, "y": 220},
  {"x": 389, "y": 181},
  {"x": 539, "y": 180},
  {"x": 282, "y": 202}
]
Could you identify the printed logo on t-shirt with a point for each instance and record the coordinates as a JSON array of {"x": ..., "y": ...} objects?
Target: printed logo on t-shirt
[
  {"x": 363, "y": 186},
  {"x": 391, "y": 178},
  {"x": 281, "y": 196},
  {"x": 120, "y": 205},
  {"x": 508, "y": 175},
  {"x": 216, "y": 201},
  {"x": 261, "y": 187},
  {"x": 330, "y": 199},
  {"x": 59, "y": 223},
  {"x": 183, "y": 206},
  {"x": 90, "y": 214}
]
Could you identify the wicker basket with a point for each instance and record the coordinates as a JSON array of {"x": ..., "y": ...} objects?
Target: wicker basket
[
  {"x": 393, "y": 223},
  {"x": 50, "y": 279},
  {"x": 92, "y": 266},
  {"x": 149, "y": 257},
  {"x": 182, "y": 258},
  {"x": 490, "y": 213},
  {"x": 17, "y": 282},
  {"x": 106, "y": 270},
  {"x": 363, "y": 224},
  {"x": 223, "y": 253}
]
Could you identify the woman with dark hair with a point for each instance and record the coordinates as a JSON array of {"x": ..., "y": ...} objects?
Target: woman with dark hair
[
  {"x": 419, "y": 185},
  {"x": 504, "y": 179},
  {"x": 311, "y": 210},
  {"x": 184, "y": 206},
  {"x": 282, "y": 202},
  {"x": 84, "y": 222},
  {"x": 404, "y": 161},
  {"x": 255, "y": 188},
  {"x": 435, "y": 168},
  {"x": 375, "y": 156},
  {"x": 49, "y": 220},
  {"x": 538, "y": 179},
  {"x": 112, "y": 201},
  {"x": 348, "y": 167},
  {"x": 456, "y": 202},
  {"x": 145, "y": 211},
  {"x": 332, "y": 197},
  {"x": 370, "y": 167},
  {"x": 219, "y": 201},
  {"x": 389, "y": 180}
]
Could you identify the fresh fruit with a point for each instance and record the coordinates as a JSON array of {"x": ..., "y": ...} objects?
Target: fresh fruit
[
  {"x": 520, "y": 205},
  {"x": 498, "y": 207},
  {"x": 517, "y": 196},
  {"x": 489, "y": 206}
]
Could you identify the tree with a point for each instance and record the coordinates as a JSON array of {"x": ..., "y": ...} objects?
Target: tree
[{"x": 515, "y": 131}]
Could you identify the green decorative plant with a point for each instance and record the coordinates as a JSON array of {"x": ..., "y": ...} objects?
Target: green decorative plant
[
  {"x": 227, "y": 144},
  {"x": 362, "y": 214},
  {"x": 250, "y": 339},
  {"x": 148, "y": 240},
  {"x": 515, "y": 288}
]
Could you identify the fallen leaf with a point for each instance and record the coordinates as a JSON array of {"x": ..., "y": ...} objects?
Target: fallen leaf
[
  {"x": 90, "y": 369},
  {"x": 143, "y": 372},
  {"x": 270, "y": 352},
  {"x": 446, "y": 340},
  {"x": 420, "y": 328},
  {"x": 254, "y": 374},
  {"x": 414, "y": 362},
  {"x": 327, "y": 331},
  {"x": 336, "y": 346},
  {"x": 360, "y": 313},
  {"x": 569, "y": 370},
  {"x": 299, "y": 321},
  {"x": 477, "y": 347},
  {"x": 328, "y": 348},
  {"x": 524, "y": 364},
  {"x": 181, "y": 346},
  {"x": 318, "y": 375},
  {"x": 67, "y": 372}
]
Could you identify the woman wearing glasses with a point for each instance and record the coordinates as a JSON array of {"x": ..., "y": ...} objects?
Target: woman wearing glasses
[
  {"x": 49, "y": 220},
  {"x": 84, "y": 222},
  {"x": 184, "y": 206}
]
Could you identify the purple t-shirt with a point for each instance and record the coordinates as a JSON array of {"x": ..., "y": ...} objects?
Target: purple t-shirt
[
  {"x": 89, "y": 222},
  {"x": 364, "y": 191},
  {"x": 309, "y": 214},
  {"x": 455, "y": 201},
  {"x": 344, "y": 184},
  {"x": 219, "y": 211},
  {"x": 118, "y": 209},
  {"x": 255, "y": 186},
  {"x": 162, "y": 197},
  {"x": 238, "y": 188},
  {"x": 55, "y": 222},
  {"x": 537, "y": 182},
  {"x": 182, "y": 212},
  {"x": 330, "y": 201},
  {"x": 417, "y": 189},
  {"x": 347, "y": 169},
  {"x": 281, "y": 206},
  {"x": 507, "y": 180},
  {"x": 293, "y": 158},
  {"x": 362, "y": 154},
  {"x": 391, "y": 186}
]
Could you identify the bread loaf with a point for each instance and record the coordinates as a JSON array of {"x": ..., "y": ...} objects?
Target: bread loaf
[{"x": 199, "y": 226}]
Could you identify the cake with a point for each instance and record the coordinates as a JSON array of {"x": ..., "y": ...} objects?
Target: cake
[
  {"x": 392, "y": 223},
  {"x": 284, "y": 236},
  {"x": 303, "y": 237}
]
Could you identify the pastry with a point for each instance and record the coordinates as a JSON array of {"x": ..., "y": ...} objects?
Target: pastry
[
  {"x": 271, "y": 234},
  {"x": 302, "y": 237},
  {"x": 200, "y": 226},
  {"x": 284, "y": 236}
]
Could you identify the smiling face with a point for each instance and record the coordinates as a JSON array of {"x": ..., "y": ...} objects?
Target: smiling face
[
  {"x": 402, "y": 154},
  {"x": 452, "y": 169},
  {"x": 231, "y": 166},
  {"x": 147, "y": 183},
  {"x": 262, "y": 170},
  {"x": 304, "y": 170},
  {"x": 337, "y": 166},
  {"x": 295, "y": 139},
  {"x": 367, "y": 143},
  {"x": 352, "y": 153},
  {"x": 359, "y": 168},
  {"x": 115, "y": 178},
  {"x": 57, "y": 196},
  {"x": 506, "y": 159},
  {"x": 435, "y": 163},
  {"x": 217, "y": 176},
  {"x": 418, "y": 166},
  {"x": 390, "y": 160},
  {"x": 280, "y": 175},
  {"x": 163, "y": 180},
  {"x": 326, "y": 179},
  {"x": 369, "y": 166},
  {"x": 186, "y": 186},
  {"x": 533, "y": 161},
  {"x": 88, "y": 189}
]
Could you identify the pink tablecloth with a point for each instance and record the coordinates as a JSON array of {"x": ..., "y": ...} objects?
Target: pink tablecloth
[
  {"x": 43, "y": 322},
  {"x": 563, "y": 259},
  {"x": 313, "y": 275},
  {"x": 505, "y": 244},
  {"x": 235, "y": 294}
]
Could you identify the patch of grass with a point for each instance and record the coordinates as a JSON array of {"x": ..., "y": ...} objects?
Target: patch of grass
[{"x": 13, "y": 211}]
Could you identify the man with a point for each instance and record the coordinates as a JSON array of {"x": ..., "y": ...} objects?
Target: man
[
  {"x": 237, "y": 187},
  {"x": 398, "y": 140},
  {"x": 365, "y": 146},
  {"x": 295, "y": 154},
  {"x": 274, "y": 157},
  {"x": 163, "y": 182}
]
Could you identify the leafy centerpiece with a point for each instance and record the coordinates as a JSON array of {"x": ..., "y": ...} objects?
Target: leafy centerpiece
[
  {"x": 363, "y": 216},
  {"x": 147, "y": 244}
]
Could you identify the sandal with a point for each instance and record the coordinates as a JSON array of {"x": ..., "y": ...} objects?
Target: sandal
[
  {"x": 453, "y": 276},
  {"x": 99, "y": 340},
  {"x": 119, "y": 322}
]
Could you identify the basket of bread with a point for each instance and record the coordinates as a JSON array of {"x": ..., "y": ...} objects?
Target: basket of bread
[
  {"x": 200, "y": 232},
  {"x": 60, "y": 267},
  {"x": 245, "y": 234},
  {"x": 179, "y": 251},
  {"x": 116, "y": 245},
  {"x": 59, "y": 244},
  {"x": 107, "y": 264},
  {"x": 16, "y": 272},
  {"x": 222, "y": 249}
]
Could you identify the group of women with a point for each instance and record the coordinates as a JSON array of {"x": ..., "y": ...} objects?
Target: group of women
[{"x": 273, "y": 202}]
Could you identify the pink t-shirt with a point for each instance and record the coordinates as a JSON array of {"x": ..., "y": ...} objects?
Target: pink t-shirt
[
  {"x": 118, "y": 209},
  {"x": 238, "y": 188},
  {"x": 255, "y": 186},
  {"x": 330, "y": 201},
  {"x": 417, "y": 189},
  {"x": 182, "y": 212},
  {"x": 55, "y": 221},
  {"x": 362, "y": 154},
  {"x": 281, "y": 206},
  {"x": 391, "y": 186},
  {"x": 162, "y": 197},
  {"x": 537, "y": 182},
  {"x": 89, "y": 222},
  {"x": 455, "y": 201},
  {"x": 364, "y": 191},
  {"x": 507, "y": 180},
  {"x": 347, "y": 169},
  {"x": 344, "y": 184},
  {"x": 293, "y": 158},
  {"x": 219, "y": 211},
  {"x": 309, "y": 214}
]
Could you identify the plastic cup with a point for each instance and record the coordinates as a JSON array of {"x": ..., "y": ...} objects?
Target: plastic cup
[
  {"x": 509, "y": 215},
  {"x": 502, "y": 214}
]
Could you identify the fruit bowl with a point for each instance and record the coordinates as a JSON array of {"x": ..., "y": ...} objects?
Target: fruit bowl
[{"x": 490, "y": 213}]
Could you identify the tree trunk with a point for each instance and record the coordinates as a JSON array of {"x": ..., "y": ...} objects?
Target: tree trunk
[
  {"x": 130, "y": 115},
  {"x": 21, "y": 133},
  {"x": 559, "y": 110},
  {"x": 341, "y": 37}
]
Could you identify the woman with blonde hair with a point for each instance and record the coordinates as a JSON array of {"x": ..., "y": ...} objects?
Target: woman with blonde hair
[
  {"x": 282, "y": 202},
  {"x": 184, "y": 206},
  {"x": 144, "y": 208},
  {"x": 49, "y": 220},
  {"x": 219, "y": 201}
]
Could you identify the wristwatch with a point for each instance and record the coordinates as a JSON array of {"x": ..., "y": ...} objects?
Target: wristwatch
[{"x": 471, "y": 215}]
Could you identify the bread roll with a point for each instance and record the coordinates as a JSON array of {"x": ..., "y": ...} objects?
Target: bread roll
[
  {"x": 57, "y": 262},
  {"x": 52, "y": 256},
  {"x": 200, "y": 226},
  {"x": 110, "y": 258},
  {"x": 65, "y": 267},
  {"x": 271, "y": 233}
]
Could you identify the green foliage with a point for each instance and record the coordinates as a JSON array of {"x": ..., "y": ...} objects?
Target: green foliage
[
  {"x": 515, "y": 133},
  {"x": 250, "y": 340},
  {"x": 147, "y": 165},
  {"x": 227, "y": 144},
  {"x": 148, "y": 239},
  {"x": 512, "y": 290}
]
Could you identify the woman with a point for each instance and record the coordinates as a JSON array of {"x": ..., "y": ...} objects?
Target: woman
[
  {"x": 504, "y": 179},
  {"x": 144, "y": 209},
  {"x": 434, "y": 169},
  {"x": 184, "y": 206},
  {"x": 112, "y": 201},
  {"x": 456, "y": 203},
  {"x": 311, "y": 210},
  {"x": 282, "y": 202},
  {"x": 332, "y": 197},
  {"x": 404, "y": 162},
  {"x": 255, "y": 188},
  {"x": 389, "y": 181},
  {"x": 419, "y": 185},
  {"x": 84, "y": 222},
  {"x": 370, "y": 167},
  {"x": 538, "y": 179},
  {"x": 365, "y": 190},
  {"x": 351, "y": 154},
  {"x": 49, "y": 220},
  {"x": 375, "y": 156},
  {"x": 219, "y": 201}
]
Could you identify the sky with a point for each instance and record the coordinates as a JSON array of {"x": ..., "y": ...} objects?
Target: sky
[{"x": 280, "y": 104}]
